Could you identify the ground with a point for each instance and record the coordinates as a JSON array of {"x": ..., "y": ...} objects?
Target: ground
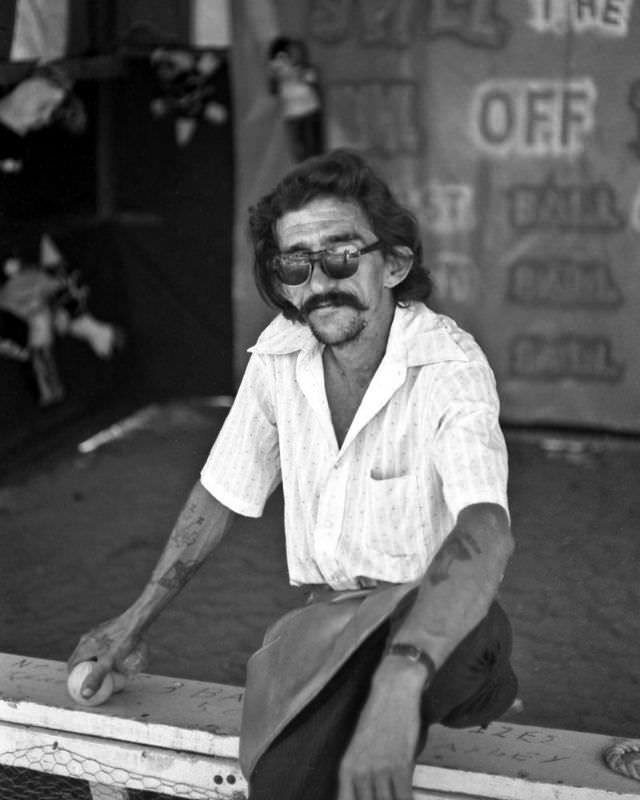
[{"x": 81, "y": 532}]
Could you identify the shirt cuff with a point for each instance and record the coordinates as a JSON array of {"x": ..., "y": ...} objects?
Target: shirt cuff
[{"x": 236, "y": 504}]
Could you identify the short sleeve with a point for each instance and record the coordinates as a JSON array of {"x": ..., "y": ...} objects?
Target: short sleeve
[
  {"x": 470, "y": 451},
  {"x": 243, "y": 467}
]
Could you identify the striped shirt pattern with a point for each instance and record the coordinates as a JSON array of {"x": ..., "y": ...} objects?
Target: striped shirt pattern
[{"x": 425, "y": 443}]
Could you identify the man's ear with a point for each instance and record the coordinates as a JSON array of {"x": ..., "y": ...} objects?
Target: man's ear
[{"x": 398, "y": 265}]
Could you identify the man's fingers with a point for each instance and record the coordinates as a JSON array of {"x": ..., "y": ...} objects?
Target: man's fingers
[
  {"x": 385, "y": 784},
  {"x": 87, "y": 649},
  {"x": 402, "y": 784},
  {"x": 374, "y": 787},
  {"x": 72, "y": 661},
  {"x": 76, "y": 657},
  {"x": 346, "y": 789},
  {"x": 94, "y": 679},
  {"x": 366, "y": 788},
  {"x": 363, "y": 786}
]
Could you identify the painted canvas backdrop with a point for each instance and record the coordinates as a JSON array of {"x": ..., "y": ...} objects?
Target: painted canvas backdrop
[{"x": 512, "y": 129}]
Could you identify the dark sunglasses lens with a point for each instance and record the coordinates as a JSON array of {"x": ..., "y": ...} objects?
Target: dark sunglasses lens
[
  {"x": 341, "y": 265},
  {"x": 292, "y": 273}
]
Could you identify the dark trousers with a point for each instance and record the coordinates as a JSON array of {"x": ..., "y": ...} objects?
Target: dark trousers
[
  {"x": 306, "y": 135},
  {"x": 474, "y": 686}
]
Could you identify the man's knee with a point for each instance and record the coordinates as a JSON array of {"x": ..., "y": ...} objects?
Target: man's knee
[{"x": 477, "y": 683}]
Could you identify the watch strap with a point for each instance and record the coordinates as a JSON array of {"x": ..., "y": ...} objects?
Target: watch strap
[{"x": 414, "y": 654}]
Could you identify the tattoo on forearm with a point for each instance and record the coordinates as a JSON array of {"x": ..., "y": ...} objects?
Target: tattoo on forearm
[
  {"x": 458, "y": 547},
  {"x": 187, "y": 536},
  {"x": 104, "y": 641},
  {"x": 177, "y": 575},
  {"x": 189, "y": 528}
]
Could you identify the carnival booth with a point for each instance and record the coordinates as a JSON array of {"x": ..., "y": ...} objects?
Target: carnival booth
[
  {"x": 116, "y": 204},
  {"x": 512, "y": 129}
]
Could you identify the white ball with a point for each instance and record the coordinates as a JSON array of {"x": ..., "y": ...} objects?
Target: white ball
[{"x": 76, "y": 679}]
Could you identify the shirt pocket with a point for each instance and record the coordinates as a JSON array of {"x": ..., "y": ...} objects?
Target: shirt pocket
[{"x": 395, "y": 523}]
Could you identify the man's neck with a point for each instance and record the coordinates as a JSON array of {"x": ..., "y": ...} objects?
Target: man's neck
[
  {"x": 357, "y": 360},
  {"x": 355, "y": 367},
  {"x": 348, "y": 370}
]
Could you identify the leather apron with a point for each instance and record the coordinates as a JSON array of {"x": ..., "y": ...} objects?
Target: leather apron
[{"x": 301, "y": 652}]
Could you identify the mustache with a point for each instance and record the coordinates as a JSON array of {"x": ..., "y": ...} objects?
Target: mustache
[{"x": 334, "y": 298}]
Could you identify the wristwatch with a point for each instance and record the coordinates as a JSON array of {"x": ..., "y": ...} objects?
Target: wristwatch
[{"x": 414, "y": 654}]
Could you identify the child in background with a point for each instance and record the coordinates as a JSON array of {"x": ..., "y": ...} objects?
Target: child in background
[{"x": 295, "y": 82}]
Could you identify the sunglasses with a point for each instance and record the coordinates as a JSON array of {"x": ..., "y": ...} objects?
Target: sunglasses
[{"x": 294, "y": 269}]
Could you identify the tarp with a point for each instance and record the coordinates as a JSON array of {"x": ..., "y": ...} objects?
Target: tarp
[
  {"x": 43, "y": 30},
  {"x": 513, "y": 132}
]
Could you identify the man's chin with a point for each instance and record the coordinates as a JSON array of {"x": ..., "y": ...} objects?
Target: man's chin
[{"x": 330, "y": 327}]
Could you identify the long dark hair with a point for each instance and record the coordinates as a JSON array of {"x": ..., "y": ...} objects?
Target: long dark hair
[{"x": 345, "y": 175}]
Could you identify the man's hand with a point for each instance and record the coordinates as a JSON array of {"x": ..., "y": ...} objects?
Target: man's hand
[
  {"x": 113, "y": 647},
  {"x": 201, "y": 525},
  {"x": 379, "y": 762}
]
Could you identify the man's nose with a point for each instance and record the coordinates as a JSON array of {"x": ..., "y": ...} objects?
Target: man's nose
[{"x": 319, "y": 280}]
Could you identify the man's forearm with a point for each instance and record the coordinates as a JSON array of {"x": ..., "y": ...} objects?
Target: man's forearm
[
  {"x": 454, "y": 596},
  {"x": 461, "y": 582},
  {"x": 199, "y": 528}
]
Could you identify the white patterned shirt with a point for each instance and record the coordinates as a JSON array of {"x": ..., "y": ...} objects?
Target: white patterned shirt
[{"x": 424, "y": 443}]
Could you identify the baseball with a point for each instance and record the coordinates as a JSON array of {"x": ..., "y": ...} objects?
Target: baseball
[{"x": 113, "y": 682}]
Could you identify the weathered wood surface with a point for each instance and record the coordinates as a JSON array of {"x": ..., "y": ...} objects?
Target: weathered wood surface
[
  {"x": 152, "y": 710},
  {"x": 179, "y": 721},
  {"x": 544, "y": 756}
]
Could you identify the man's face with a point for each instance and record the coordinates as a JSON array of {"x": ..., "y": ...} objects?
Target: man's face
[{"x": 338, "y": 311}]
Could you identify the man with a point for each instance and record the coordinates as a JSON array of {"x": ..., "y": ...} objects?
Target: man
[{"x": 380, "y": 418}]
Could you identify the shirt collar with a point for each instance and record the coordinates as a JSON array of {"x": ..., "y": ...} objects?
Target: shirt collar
[
  {"x": 283, "y": 336},
  {"x": 418, "y": 336},
  {"x": 421, "y": 337}
]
